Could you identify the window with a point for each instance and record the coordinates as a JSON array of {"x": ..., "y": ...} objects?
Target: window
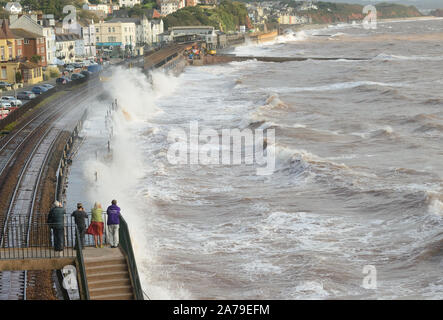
[
  {"x": 26, "y": 41},
  {"x": 98, "y": 39},
  {"x": 4, "y": 74},
  {"x": 97, "y": 30},
  {"x": 109, "y": 29},
  {"x": 19, "y": 52},
  {"x": 2, "y": 51},
  {"x": 113, "y": 29},
  {"x": 10, "y": 52},
  {"x": 19, "y": 42}
]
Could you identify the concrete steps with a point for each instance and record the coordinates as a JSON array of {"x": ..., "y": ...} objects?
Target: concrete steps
[{"x": 108, "y": 278}]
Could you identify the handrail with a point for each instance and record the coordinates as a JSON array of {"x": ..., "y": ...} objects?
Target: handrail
[
  {"x": 126, "y": 246},
  {"x": 81, "y": 266}
]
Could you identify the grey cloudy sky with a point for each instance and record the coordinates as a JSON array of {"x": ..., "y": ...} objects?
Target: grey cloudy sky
[{"x": 421, "y": 4}]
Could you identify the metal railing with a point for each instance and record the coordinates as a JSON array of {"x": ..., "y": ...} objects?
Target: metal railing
[
  {"x": 84, "y": 290},
  {"x": 41, "y": 237},
  {"x": 126, "y": 246},
  {"x": 41, "y": 245}
]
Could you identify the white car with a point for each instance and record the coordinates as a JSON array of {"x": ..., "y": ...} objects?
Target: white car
[
  {"x": 12, "y": 100},
  {"x": 5, "y": 104}
]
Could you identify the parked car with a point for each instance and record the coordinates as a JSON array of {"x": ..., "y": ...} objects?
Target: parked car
[
  {"x": 69, "y": 68},
  {"x": 12, "y": 100},
  {"x": 86, "y": 73},
  {"x": 47, "y": 86},
  {"x": 94, "y": 68},
  {"x": 5, "y": 104},
  {"x": 4, "y": 84},
  {"x": 3, "y": 113},
  {"x": 62, "y": 80},
  {"x": 26, "y": 95},
  {"x": 39, "y": 89},
  {"x": 76, "y": 76}
]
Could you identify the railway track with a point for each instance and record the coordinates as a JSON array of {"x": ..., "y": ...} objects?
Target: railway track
[{"x": 23, "y": 158}]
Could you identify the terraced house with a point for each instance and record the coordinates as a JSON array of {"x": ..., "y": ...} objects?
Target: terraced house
[
  {"x": 116, "y": 34},
  {"x": 65, "y": 44},
  {"x": 34, "y": 46},
  {"x": 9, "y": 65},
  {"x": 13, "y": 61}
]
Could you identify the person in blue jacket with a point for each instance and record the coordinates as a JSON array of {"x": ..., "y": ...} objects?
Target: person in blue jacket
[{"x": 113, "y": 223}]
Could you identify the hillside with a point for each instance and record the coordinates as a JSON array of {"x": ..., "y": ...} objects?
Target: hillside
[
  {"x": 340, "y": 12},
  {"x": 437, "y": 13},
  {"x": 226, "y": 17}
]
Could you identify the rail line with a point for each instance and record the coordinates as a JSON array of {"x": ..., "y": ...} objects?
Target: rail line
[
  {"x": 23, "y": 200},
  {"x": 10, "y": 147}
]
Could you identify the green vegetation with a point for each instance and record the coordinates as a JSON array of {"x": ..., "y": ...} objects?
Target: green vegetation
[
  {"x": 226, "y": 17},
  {"x": 18, "y": 77},
  {"x": 331, "y": 12},
  {"x": 9, "y": 127},
  {"x": 149, "y": 4},
  {"x": 51, "y": 72},
  {"x": 36, "y": 58},
  {"x": 55, "y": 7}
]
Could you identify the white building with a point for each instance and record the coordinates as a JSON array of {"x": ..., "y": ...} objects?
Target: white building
[
  {"x": 65, "y": 44},
  {"x": 307, "y": 5},
  {"x": 156, "y": 29},
  {"x": 112, "y": 34},
  {"x": 128, "y": 3},
  {"x": 13, "y": 7},
  {"x": 143, "y": 30},
  {"x": 89, "y": 39},
  {"x": 169, "y": 6},
  {"x": 287, "y": 19},
  {"x": 51, "y": 48},
  {"x": 102, "y": 10},
  {"x": 206, "y": 33}
]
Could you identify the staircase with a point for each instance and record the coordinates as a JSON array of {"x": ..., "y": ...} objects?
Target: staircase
[{"x": 107, "y": 274}]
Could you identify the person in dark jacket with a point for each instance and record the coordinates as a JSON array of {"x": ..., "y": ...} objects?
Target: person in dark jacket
[
  {"x": 79, "y": 216},
  {"x": 56, "y": 221},
  {"x": 113, "y": 223}
]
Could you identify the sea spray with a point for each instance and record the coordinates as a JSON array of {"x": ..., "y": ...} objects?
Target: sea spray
[{"x": 119, "y": 172}]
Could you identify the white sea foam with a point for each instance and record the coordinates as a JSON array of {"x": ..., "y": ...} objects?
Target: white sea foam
[
  {"x": 117, "y": 178},
  {"x": 393, "y": 57},
  {"x": 336, "y": 86}
]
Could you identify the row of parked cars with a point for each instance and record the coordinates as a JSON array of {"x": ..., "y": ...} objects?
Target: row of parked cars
[
  {"x": 11, "y": 102},
  {"x": 75, "y": 76}
]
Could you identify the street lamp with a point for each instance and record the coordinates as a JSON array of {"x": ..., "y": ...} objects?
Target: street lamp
[{"x": 15, "y": 82}]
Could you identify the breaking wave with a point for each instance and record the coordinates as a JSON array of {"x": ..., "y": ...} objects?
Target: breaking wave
[
  {"x": 392, "y": 57},
  {"x": 337, "y": 86}
]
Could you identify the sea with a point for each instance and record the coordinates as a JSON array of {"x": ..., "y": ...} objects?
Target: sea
[{"x": 353, "y": 208}]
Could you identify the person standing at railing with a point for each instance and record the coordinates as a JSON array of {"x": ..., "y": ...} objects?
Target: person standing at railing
[
  {"x": 79, "y": 216},
  {"x": 96, "y": 226},
  {"x": 113, "y": 213},
  {"x": 56, "y": 220}
]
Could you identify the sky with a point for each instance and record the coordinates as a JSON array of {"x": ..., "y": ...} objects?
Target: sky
[{"x": 420, "y": 4}]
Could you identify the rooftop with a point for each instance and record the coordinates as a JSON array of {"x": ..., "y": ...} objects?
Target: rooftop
[
  {"x": 22, "y": 33},
  {"x": 67, "y": 37}
]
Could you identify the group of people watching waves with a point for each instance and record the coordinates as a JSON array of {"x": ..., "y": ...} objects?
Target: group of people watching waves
[{"x": 56, "y": 222}]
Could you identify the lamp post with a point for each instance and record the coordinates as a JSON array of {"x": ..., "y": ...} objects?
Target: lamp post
[{"x": 15, "y": 82}]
